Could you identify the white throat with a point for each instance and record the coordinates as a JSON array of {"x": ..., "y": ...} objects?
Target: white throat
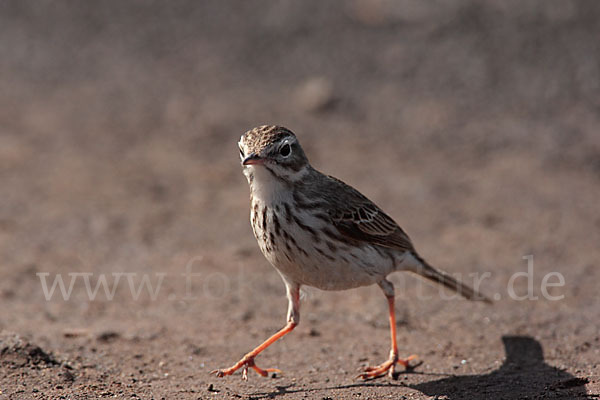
[
  {"x": 267, "y": 188},
  {"x": 263, "y": 185}
]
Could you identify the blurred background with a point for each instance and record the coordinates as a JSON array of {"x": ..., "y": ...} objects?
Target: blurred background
[{"x": 474, "y": 124}]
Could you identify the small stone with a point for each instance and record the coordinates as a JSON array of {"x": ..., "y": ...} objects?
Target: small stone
[
  {"x": 75, "y": 332},
  {"x": 211, "y": 388},
  {"x": 108, "y": 336}
]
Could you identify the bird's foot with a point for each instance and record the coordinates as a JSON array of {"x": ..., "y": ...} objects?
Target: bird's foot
[
  {"x": 244, "y": 364},
  {"x": 388, "y": 367}
]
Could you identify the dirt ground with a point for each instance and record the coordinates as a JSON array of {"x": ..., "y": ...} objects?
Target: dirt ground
[{"x": 475, "y": 125}]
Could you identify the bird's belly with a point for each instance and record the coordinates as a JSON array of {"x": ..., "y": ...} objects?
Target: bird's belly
[
  {"x": 361, "y": 267},
  {"x": 306, "y": 255}
]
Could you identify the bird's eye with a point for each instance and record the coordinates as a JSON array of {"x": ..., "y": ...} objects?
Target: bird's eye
[{"x": 285, "y": 150}]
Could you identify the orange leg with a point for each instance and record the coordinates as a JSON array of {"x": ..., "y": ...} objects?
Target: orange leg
[
  {"x": 390, "y": 365},
  {"x": 248, "y": 360}
]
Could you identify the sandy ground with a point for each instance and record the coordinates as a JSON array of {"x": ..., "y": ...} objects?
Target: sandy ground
[{"x": 474, "y": 124}]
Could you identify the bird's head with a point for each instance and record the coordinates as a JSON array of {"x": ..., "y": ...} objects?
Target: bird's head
[{"x": 274, "y": 149}]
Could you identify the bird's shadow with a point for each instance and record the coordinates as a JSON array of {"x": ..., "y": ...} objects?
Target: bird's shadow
[{"x": 524, "y": 374}]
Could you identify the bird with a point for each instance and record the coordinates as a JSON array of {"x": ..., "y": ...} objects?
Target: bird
[{"x": 317, "y": 231}]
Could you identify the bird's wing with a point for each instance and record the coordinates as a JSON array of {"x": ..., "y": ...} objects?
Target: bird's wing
[{"x": 359, "y": 219}]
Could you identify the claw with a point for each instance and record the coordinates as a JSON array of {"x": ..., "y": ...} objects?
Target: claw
[
  {"x": 248, "y": 360},
  {"x": 388, "y": 367},
  {"x": 406, "y": 362},
  {"x": 244, "y": 364}
]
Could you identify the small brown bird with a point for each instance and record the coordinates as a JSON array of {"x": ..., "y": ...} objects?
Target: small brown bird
[{"x": 318, "y": 231}]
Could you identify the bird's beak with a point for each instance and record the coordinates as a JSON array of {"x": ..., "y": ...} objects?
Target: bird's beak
[{"x": 253, "y": 159}]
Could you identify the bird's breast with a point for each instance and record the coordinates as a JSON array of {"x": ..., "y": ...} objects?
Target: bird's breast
[{"x": 307, "y": 249}]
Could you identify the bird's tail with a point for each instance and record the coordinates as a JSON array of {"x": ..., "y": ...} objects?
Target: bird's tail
[{"x": 427, "y": 271}]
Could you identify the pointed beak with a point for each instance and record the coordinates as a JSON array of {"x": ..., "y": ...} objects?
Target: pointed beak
[{"x": 253, "y": 159}]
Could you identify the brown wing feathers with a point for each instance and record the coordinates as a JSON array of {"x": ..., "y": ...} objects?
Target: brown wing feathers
[
  {"x": 377, "y": 228},
  {"x": 362, "y": 221}
]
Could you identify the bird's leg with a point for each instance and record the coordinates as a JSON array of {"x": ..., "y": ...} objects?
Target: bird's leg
[
  {"x": 390, "y": 365},
  {"x": 293, "y": 318}
]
